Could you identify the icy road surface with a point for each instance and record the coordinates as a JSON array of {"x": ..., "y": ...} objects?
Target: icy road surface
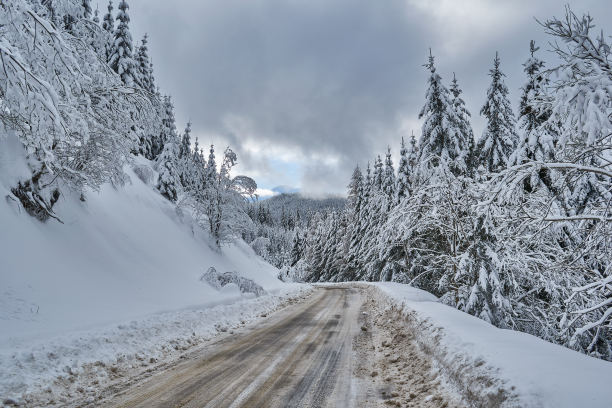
[{"x": 324, "y": 352}]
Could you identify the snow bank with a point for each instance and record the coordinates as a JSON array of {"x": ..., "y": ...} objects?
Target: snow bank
[
  {"x": 535, "y": 372},
  {"x": 121, "y": 276}
]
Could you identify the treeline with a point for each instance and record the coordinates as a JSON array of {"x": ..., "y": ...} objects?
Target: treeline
[
  {"x": 277, "y": 222},
  {"x": 82, "y": 100},
  {"x": 514, "y": 227}
]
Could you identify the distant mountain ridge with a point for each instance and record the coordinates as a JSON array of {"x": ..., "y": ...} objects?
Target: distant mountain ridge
[
  {"x": 285, "y": 189},
  {"x": 294, "y": 201}
]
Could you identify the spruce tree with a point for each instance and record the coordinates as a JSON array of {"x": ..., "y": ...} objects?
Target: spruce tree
[
  {"x": 355, "y": 190},
  {"x": 152, "y": 88},
  {"x": 168, "y": 129},
  {"x": 108, "y": 23},
  {"x": 436, "y": 147},
  {"x": 402, "y": 188},
  {"x": 87, "y": 9},
  {"x": 143, "y": 65},
  {"x": 536, "y": 142},
  {"x": 499, "y": 138},
  {"x": 211, "y": 167},
  {"x": 122, "y": 52},
  {"x": 96, "y": 17},
  {"x": 377, "y": 180},
  {"x": 389, "y": 178},
  {"x": 462, "y": 134},
  {"x": 168, "y": 181}
]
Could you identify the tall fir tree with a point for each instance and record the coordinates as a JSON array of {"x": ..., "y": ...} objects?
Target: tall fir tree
[
  {"x": 108, "y": 23},
  {"x": 499, "y": 138},
  {"x": 87, "y": 9},
  {"x": 143, "y": 64},
  {"x": 402, "y": 188},
  {"x": 389, "y": 178},
  {"x": 463, "y": 133},
  {"x": 377, "y": 179},
  {"x": 168, "y": 181},
  {"x": 96, "y": 17},
  {"x": 122, "y": 52},
  {"x": 436, "y": 147},
  {"x": 537, "y": 142}
]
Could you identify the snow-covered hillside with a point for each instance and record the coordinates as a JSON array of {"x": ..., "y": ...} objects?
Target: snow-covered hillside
[{"x": 124, "y": 255}]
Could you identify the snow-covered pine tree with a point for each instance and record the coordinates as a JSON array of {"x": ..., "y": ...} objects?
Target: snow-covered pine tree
[
  {"x": 96, "y": 17},
  {"x": 211, "y": 166},
  {"x": 533, "y": 114},
  {"x": 436, "y": 147},
  {"x": 463, "y": 136},
  {"x": 187, "y": 166},
  {"x": 356, "y": 203},
  {"x": 377, "y": 179},
  {"x": 152, "y": 87},
  {"x": 538, "y": 140},
  {"x": 296, "y": 249},
  {"x": 499, "y": 138},
  {"x": 87, "y": 9},
  {"x": 388, "y": 183},
  {"x": 404, "y": 173},
  {"x": 143, "y": 78},
  {"x": 108, "y": 22},
  {"x": 121, "y": 58},
  {"x": 168, "y": 128},
  {"x": 168, "y": 182}
]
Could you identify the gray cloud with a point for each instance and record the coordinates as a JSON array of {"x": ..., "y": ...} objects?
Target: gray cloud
[{"x": 327, "y": 84}]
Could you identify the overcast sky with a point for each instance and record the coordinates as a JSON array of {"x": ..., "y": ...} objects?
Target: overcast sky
[{"x": 303, "y": 90}]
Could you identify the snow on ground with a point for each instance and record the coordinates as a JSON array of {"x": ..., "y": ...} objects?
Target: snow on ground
[
  {"x": 479, "y": 357},
  {"x": 120, "y": 278}
]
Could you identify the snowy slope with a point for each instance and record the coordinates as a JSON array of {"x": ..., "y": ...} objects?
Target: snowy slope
[
  {"x": 532, "y": 371},
  {"x": 125, "y": 263}
]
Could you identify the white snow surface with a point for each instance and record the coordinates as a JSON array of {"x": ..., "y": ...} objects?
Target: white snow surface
[
  {"x": 120, "y": 278},
  {"x": 542, "y": 374}
]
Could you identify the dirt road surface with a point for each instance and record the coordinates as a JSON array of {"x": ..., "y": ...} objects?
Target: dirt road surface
[{"x": 319, "y": 353}]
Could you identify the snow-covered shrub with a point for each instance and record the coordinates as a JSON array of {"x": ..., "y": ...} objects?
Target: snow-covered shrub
[{"x": 219, "y": 280}]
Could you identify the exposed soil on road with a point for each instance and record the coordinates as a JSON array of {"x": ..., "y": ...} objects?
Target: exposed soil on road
[{"x": 336, "y": 349}]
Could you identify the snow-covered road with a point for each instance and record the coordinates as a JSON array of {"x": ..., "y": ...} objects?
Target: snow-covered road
[{"x": 317, "y": 353}]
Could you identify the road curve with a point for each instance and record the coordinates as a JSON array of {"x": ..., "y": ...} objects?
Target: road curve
[{"x": 300, "y": 357}]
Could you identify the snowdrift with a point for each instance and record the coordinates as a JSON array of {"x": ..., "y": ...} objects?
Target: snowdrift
[{"x": 483, "y": 360}]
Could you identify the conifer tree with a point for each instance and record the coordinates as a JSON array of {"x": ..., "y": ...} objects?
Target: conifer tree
[
  {"x": 463, "y": 136},
  {"x": 436, "y": 147},
  {"x": 536, "y": 143},
  {"x": 108, "y": 23},
  {"x": 402, "y": 188},
  {"x": 96, "y": 17},
  {"x": 87, "y": 9},
  {"x": 211, "y": 167},
  {"x": 377, "y": 180},
  {"x": 389, "y": 178},
  {"x": 152, "y": 88},
  {"x": 168, "y": 130},
  {"x": 168, "y": 181},
  {"x": 499, "y": 138},
  {"x": 355, "y": 190},
  {"x": 143, "y": 65},
  {"x": 122, "y": 52}
]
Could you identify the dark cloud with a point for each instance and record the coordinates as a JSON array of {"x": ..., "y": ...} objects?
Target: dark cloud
[{"x": 327, "y": 84}]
